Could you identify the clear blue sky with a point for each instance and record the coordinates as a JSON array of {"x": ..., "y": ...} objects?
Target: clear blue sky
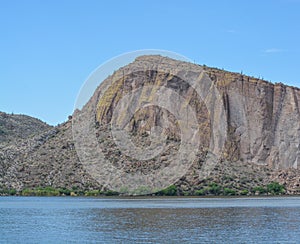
[{"x": 49, "y": 48}]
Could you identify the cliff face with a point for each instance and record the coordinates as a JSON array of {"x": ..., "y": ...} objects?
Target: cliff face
[
  {"x": 264, "y": 118},
  {"x": 249, "y": 132},
  {"x": 249, "y": 126}
]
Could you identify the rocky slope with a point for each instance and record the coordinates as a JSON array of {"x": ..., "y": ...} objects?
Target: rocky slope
[
  {"x": 16, "y": 127},
  {"x": 260, "y": 126},
  {"x": 45, "y": 159}
]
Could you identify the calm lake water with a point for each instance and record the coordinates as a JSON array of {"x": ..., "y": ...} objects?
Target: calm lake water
[{"x": 149, "y": 220}]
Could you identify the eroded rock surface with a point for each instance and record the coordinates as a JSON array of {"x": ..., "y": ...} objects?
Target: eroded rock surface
[{"x": 260, "y": 121}]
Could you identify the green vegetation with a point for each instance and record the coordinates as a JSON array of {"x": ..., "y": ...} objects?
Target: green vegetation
[
  {"x": 169, "y": 191},
  {"x": 110, "y": 193},
  {"x": 275, "y": 188},
  {"x": 244, "y": 192},
  {"x": 259, "y": 190},
  {"x": 200, "y": 192},
  {"x": 215, "y": 189},
  {"x": 64, "y": 191},
  {"x": 51, "y": 191},
  {"x": 212, "y": 188},
  {"x": 92, "y": 193},
  {"x": 8, "y": 192},
  {"x": 41, "y": 191},
  {"x": 229, "y": 192}
]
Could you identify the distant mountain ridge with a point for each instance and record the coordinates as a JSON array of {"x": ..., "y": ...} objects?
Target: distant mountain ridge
[{"x": 262, "y": 146}]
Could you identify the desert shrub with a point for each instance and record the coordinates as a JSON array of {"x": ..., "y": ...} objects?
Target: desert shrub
[
  {"x": 229, "y": 192},
  {"x": 200, "y": 192},
  {"x": 64, "y": 191},
  {"x": 77, "y": 191},
  {"x": 46, "y": 191},
  {"x": 27, "y": 192},
  {"x": 275, "y": 188},
  {"x": 41, "y": 191},
  {"x": 110, "y": 193},
  {"x": 259, "y": 189},
  {"x": 214, "y": 188},
  {"x": 169, "y": 191},
  {"x": 12, "y": 192},
  {"x": 93, "y": 193},
  {"x": 244, "y": 192},
  {"x": 6, "y": 191}
]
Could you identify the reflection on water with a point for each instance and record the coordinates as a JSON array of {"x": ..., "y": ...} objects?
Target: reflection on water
[{"x": 149, "y": 221}]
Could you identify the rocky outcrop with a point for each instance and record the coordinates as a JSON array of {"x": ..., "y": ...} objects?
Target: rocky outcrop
[
  {"x": 264, "y": 118},
  {"x": 259, "y": 124}
]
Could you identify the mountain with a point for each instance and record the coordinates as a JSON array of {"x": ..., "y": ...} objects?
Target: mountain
[
  {"x": 246, "y": 134},
  {"x": 16, "y": 127},
  {"x": 45, "y": 158}
]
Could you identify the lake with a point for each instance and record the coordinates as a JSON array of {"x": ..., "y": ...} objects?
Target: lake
[{"x": 149, "y": 220}]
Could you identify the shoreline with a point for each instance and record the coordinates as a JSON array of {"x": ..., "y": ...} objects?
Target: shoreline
[
  {"x": 212, "y": 190},
  {"x": 136, "y": 197}
]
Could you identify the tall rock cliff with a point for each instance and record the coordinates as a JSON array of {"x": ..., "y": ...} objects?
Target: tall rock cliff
[
  {"x": 264, "y": 119},
  {"x": 249, "y": 130}
]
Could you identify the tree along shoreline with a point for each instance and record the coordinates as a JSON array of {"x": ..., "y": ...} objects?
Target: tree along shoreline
[{"x": 213, "y": 189}]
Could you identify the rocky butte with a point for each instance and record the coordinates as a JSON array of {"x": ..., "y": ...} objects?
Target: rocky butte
[{"x": 250, "y": 126}]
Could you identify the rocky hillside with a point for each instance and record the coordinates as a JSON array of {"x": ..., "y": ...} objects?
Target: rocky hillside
[
  {"x": 47, "y": 158},
  {"x": 249, "y": 130},
  {"x": 16, "y": 127}
]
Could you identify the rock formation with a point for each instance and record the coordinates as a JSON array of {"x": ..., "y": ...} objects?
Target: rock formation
[{"x": 260, "y": 122}]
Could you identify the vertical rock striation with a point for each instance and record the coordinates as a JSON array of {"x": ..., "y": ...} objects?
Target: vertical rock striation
[
  {"x": 264, "y": 118},
  {"x": 262, "y": 131}
]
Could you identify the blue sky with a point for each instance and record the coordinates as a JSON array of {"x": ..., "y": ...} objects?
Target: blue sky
[{"x": 49, "y": 48}]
